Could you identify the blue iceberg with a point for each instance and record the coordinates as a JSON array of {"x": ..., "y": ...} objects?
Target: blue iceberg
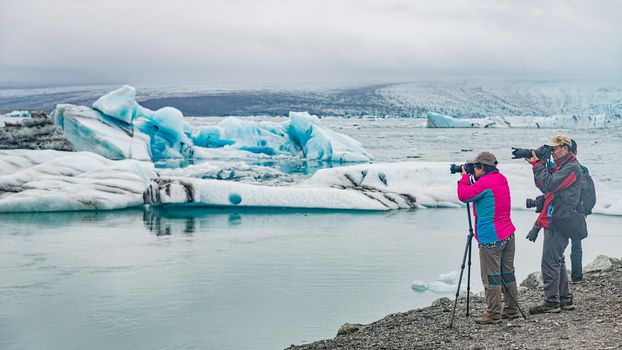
[{"x": 118, "y": 127}]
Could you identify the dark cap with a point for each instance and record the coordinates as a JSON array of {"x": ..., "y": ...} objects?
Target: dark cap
[{"x": 485, "y": 158}]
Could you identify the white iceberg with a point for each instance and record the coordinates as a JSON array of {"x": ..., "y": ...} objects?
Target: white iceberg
[
  {"x": 117, "y": 127},
  {"x": 358, "y": 187},
  {"x": 119, "y": 104},
  {"x": 39, "y": 181},
  {"x": 600, "y": 121},
  {"x": 51, "y": 180}
]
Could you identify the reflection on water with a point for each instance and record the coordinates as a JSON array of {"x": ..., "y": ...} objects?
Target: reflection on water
[{"x": 166, "y": 221}]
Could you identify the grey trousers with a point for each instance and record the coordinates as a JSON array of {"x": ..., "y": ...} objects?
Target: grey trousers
[
  {"x": 576, "y": 257},
  {"x": 554, "y": 273}
]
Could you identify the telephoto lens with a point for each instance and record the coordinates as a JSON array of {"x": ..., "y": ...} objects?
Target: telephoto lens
[
  {"x": 521, "y": 153},
  {"x": 453, "y": 168}
]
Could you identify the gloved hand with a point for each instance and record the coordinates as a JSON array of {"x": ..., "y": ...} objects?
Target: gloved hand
[{"x": 533, "y": 234}]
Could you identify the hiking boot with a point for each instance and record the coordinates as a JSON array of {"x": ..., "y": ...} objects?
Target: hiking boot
[
  {"x": 487, "y": 319},
  {"x": 543, "y": 308},
  {"x": 566, "y": 304},
  {"x": 509, "y": 314}
]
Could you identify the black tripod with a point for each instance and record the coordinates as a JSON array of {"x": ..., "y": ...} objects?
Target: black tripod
[{"x": 467, "y": 251}]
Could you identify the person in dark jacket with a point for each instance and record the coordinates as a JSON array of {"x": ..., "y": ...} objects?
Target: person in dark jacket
[
  {"x": 562, "y": 186},
  {"x": 576, "y": 249}
]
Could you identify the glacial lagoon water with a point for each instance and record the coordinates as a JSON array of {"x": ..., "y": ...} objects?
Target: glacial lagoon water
[{"x": 257, "y": 279}]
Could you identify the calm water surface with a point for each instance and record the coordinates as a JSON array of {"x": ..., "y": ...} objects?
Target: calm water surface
[{"x": 223, "y": 279}]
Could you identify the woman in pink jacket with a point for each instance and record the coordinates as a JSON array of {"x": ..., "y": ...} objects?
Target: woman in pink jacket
[{"x": 494, "y": 232}]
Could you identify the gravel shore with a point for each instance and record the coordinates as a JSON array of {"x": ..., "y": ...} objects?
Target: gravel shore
[{"x": 596, "y": 323}]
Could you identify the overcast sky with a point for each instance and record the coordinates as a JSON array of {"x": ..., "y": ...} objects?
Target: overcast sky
[{"x": 310, "y": 42}]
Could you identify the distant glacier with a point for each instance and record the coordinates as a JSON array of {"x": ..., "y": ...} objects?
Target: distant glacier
[{"x": 461, "y": 99}]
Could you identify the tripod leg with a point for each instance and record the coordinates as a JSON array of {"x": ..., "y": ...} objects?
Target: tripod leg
[
  {"x": 469, "y": 274},
  {"x": 453, "y": 313},
  {"x": 513, "y": 299},
  {"x": 469, "y": 241}
]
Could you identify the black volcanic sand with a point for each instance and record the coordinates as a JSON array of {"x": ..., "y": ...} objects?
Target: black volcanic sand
[{"x": 596, "y": 323}]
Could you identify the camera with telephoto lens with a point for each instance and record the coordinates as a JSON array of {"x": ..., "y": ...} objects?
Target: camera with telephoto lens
[
  {"x": 543, "y": 152},
  {"x": 468, "y": 167},
  {"x": 537, "y": 203}
]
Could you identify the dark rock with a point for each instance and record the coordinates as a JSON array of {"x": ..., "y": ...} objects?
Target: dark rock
[
  {"x": 348, "y": 328},
  {"x": 600, "y": 263},
  {"x": 533, "y": 280},
  {"x": 441, "y": 301}
]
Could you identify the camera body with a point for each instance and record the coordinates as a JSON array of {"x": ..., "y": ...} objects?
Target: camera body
[
  {"x": 468, "y": 167},
  {"x": 543, "y": 152},
  {"x": 537, "y": 203}
]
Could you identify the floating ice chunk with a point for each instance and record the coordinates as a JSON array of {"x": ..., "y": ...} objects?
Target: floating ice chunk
[
  {"x": 90, "y": 130},
  {"x": 436, "y": 120},
  {"x": 119, "y": 104},
  {"x": 374, "y": 187},
  {"x": 166, "y": 130},
  {"x": 445, "y": 283},
  {"x": 420, "y": 286},
  {"x": 220, "y": 193},
  {"x": 449, "y": 277},
  {"x": 319, "y": 142},
  {"x": 167, "y": 135},
  {"x": 33, "y": 180},
  {"x": 302, "y": 135},
  {"x": 210, "y": 137},
  {"x": 599, "y": 121},
  {"x": 170, "y": 121},
  {"x": 434, "y": 287},
  {"x": 54, "y": 180},
  {"x": 263, "y": 137}
]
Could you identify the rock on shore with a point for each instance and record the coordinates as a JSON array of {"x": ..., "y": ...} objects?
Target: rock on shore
[{"x": 596, "y": 323}]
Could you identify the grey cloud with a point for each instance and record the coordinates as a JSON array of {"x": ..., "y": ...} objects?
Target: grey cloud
[{"x": 299, "y": 42}]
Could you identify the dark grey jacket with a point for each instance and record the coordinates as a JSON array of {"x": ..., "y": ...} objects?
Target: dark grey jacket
[{"x": 562, "y": 185}]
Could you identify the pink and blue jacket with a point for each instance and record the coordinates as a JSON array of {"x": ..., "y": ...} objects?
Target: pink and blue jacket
[{"x": 490, "y": 195}]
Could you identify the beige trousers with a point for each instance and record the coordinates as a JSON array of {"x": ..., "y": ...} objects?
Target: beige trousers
[{"x": 497, "y": 268}]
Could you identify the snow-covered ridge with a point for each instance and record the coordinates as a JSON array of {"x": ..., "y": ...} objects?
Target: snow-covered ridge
[
  {"x": 458, "y": 98},
  {"x": 53, "y": 180},
  {"x": 117, "y": 127}
]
